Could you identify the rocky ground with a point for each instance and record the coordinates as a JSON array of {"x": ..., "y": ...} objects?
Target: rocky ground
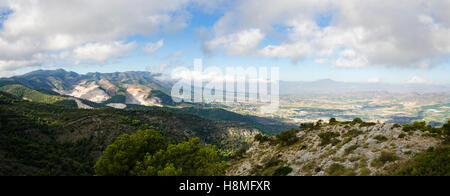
[{"x": 339, "y": 149}]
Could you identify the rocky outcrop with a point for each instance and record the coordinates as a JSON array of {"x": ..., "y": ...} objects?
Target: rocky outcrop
[
  {"x": 341, "y": 149},
  {"x": 89, "y": 91}
]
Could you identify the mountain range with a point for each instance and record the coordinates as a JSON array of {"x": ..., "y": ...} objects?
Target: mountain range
[
  {"x": 59, "y": 123},
  {"x": 331, "y": 87},
  {"x": 142, "y": 88}
]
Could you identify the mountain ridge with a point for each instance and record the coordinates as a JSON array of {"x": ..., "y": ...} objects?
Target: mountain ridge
[{"x": 48, "y": 139}]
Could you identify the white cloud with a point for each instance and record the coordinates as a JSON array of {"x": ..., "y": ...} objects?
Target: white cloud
[
  {"x": 40, "y": 27},
  {"x": 349, "y": 58},
  {"x": 418, "y": 80},
  {"x": 244, "y": 42},
  {"x": 11, "y": 65},
  {"x": 153, "y": 47},
  {"x": 320, "y": 61},
  {"x": 374, "y": 80},
  {"x": 174, "y": 54},
  {"x": 102, "y": 51},
  {"x": 158, "y": 69},
  {"x": 373, "y": 29}
]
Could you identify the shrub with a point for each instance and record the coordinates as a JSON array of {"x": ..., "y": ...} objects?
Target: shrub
[
  {"x": 287, "y": 138},
  {"x": 306, "y": 126},
  {"x": 350, "y": 149},
  {"x": 353, "y": 133},
  {"x": 446, "y": 132},
  {"x": 261, "y": 138},
  {"x": 318, "y": 169},
  {"x": 283, "y": 171},
  {"x": 328, "y": 138},
  {"x": 419, "y": 125},
  {"x": 240, "y": 153},
  {"x": 364, "y": 171},
  {"x": 383, "y": 159},
  {"x": 273, "y": 161},
  {"x": 402, "y": 135},
  {"x": 367, "y": 124},
  {"x": 333, "y": 121},
  {"x": 309, "y": 166},
  {"x": 303, "y": 147},
  {"x": 337, "y": 169},
  {"x": 407, "y": 128},
  {"x": 434, "y": 162},
  {"x": 380, "y": 138},
  {"x": 396, "y": 126},
  {"x": 357, "y": 121}
]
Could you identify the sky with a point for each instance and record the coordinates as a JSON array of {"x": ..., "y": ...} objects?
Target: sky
[{"x": 403, "y": 41}]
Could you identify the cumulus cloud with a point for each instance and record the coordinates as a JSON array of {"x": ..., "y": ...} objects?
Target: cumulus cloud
[
  {"x": 102, "y": 51},
  {"x": 409, "y": 33},
  {"x": 244, "y": 42},
  {"x": 78, "y": 27},
  {"x": 349, "y": 58},
  {"x": 153, "y": 47}
]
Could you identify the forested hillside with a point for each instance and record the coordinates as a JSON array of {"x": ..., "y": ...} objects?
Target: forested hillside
[{"x": 48, "y": 139}]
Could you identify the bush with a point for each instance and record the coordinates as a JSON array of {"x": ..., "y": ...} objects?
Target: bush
[
  {"x": 435, "y": 162},
  {"x": 383, "y": 159},
  {"x": 283, "y": 171},
  {"x": 353, "y": 133},
  {"x": 408, "y": 128},
  {"x": 357, "y": 121},
  {"x": 261, "y": 138},
  {"x": 287, "y": 138},
  {"x": 269, "y": 167},
  {"x": 337, "y": 169},
  {"x": 419, "y": 125},
  {"x": 240, "y": 153},
  {"x": 381, "y": 138},
  {"x": 350, "y": 149},
  {"x": 272, "y": 162},
  {"x": 333, "y": 121},
  {"x": 402, "y": 135},
  {"x": 328, "y": 138},
  {"x": 396, "y": 126},
  {"x": 364, "y": 171},
  {"x": 306, "y": 126},
  {"x": 446, "y": 132},
  {"x": 318, "y": 169}
]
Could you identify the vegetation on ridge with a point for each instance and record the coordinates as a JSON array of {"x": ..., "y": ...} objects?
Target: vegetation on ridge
[{"x": 349, "y": 148}]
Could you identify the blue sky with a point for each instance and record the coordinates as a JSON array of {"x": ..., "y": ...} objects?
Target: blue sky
[{"x": 308, "y": 40}]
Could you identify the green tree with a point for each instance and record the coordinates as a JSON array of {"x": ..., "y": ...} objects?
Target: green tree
[
  {"x": 333, "y": 121},
  {"x": 170, "y": 170},
  {"x": 357, "y": 121},
  {"x": 120, "y": 158},
  {"x": 189, "y": 158}
]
